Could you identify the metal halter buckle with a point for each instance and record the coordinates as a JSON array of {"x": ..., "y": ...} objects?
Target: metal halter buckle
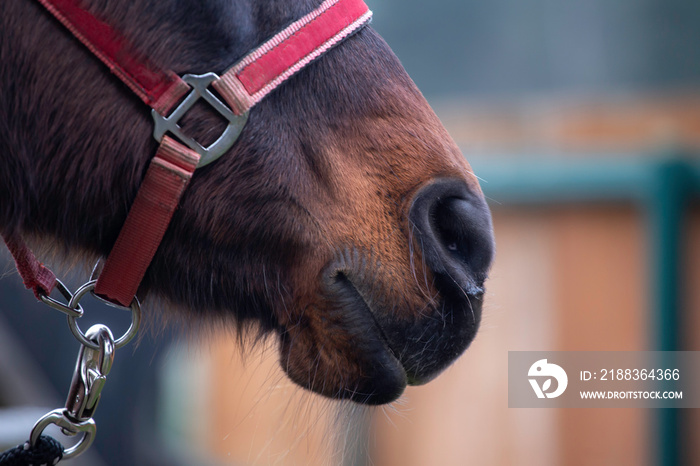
[{"x": 200, "y": 85}]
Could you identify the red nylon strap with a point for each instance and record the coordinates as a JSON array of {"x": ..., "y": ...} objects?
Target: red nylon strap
[
  {"x": 149, "y": 217},
  {"x": 261, "y": 71},
  {"x": 35, "y": 276},
  {"x": 158, "y": 88}
]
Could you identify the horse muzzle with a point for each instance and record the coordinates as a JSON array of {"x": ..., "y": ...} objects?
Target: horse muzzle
[{"x": 378, "y": 327}]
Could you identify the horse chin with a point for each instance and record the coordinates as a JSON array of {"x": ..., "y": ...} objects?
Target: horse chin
[{"x": 342, "y": 356}]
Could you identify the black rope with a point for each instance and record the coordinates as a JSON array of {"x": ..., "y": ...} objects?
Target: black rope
[{"x": 47, "y": 451}]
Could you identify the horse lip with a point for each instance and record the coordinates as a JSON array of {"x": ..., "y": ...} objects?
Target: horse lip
[
  {"x": 342, "y": 280},
  {"x": 368, "y": 308}
]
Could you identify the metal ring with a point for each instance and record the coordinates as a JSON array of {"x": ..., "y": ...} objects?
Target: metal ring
[
  {"x": 59, "y": 306},
  {"x": 121, "y": 341},
  {"x": 59, "y": 418}
]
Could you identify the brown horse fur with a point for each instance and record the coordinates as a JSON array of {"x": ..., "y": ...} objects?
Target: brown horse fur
[{"x": 344, "y": 219}]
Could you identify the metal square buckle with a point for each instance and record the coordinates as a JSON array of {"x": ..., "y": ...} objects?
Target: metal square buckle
[{"x": 200, "y": 84}]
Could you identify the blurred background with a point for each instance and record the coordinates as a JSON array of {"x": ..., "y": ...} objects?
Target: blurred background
[{"x": 582, "y": 119}]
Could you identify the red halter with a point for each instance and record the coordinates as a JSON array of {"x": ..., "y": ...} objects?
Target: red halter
[{"x": 242, "y": 86}]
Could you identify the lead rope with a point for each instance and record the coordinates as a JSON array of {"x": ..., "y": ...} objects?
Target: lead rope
[{"x": 47, "y": 451}]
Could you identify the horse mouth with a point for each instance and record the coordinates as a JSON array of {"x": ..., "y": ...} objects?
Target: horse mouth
[
  {"x": 360, "y": 342},
  {"x": 399, "y": 346},
  {"x": 383, "y": 376},
  {"x": 360, "y": 305},
  {"x": 429, "y": 340}
]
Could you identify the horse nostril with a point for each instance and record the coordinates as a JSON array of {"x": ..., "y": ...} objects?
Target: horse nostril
[
  {"x": 452, "y": 227},
  {"x": 463, "y": 228}
]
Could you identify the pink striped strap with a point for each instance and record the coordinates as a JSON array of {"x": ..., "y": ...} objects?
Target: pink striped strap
[
  {"x": 160, "y": 89},
  {"x": 158, "y": 197},
  {"x": 261, "y": 71}
]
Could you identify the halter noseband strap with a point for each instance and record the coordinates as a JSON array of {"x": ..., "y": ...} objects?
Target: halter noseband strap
[
  {"x": 247, "y": 82},
  {"x": 242, "y": 86}
]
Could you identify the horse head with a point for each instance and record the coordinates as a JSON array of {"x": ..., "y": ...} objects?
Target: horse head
[{"x": 344, "y": 219}]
